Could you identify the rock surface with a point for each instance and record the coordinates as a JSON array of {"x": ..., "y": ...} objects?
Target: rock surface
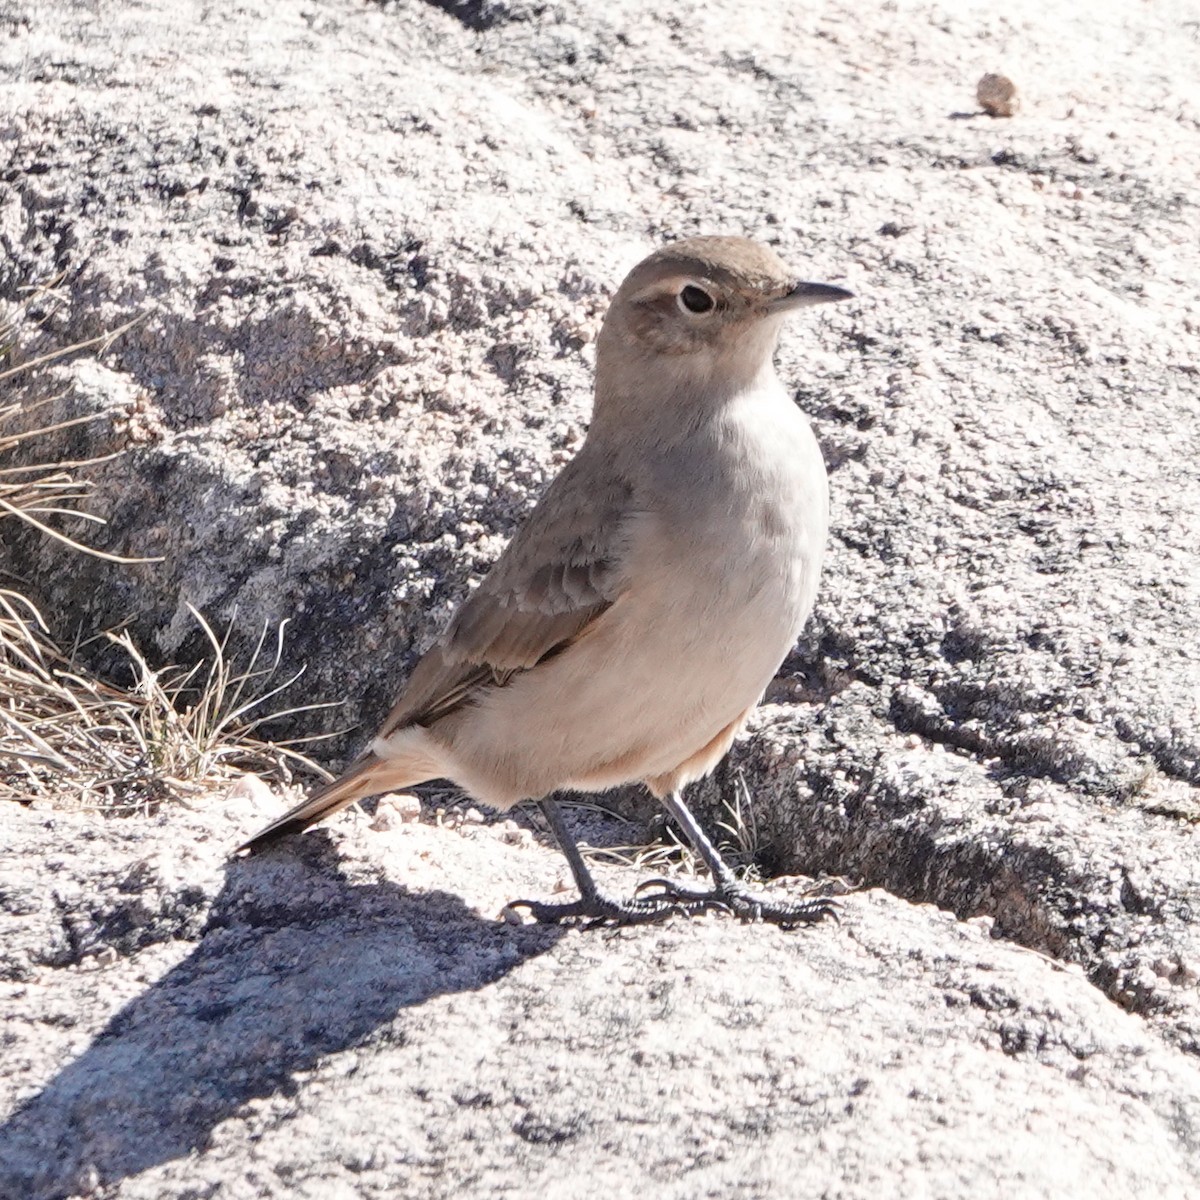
[
  {"x": 359, "y": 1024},
  {"x": 368, "y": 246}
]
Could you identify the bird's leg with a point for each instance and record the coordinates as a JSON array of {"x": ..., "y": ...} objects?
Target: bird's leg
[
  {"x": 728, "y": 891},
  {"x": 593, "y": 906}
]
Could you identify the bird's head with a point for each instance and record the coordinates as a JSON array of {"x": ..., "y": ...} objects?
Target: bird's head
[{"x": 702, "y": 313}]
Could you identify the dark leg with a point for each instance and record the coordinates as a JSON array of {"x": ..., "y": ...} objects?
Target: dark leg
[
  {"x": 729, "y": 892},
  {"x": 593, "y": 906}
]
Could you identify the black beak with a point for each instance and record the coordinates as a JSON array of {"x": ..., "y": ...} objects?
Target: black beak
[{"x": 804, "y": 294}]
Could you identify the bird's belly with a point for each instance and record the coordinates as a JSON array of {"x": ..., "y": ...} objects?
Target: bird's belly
[
  {"x": 719, "y": 631},
  {"x": 676, "y": 659}
]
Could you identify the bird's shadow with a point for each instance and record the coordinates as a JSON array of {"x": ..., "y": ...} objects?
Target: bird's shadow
[{"x": 280, "y": 978}]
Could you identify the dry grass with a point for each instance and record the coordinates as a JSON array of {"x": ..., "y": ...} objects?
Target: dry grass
[
  {"x": 742, "y": 845},
  {"x": 71, "y": 737},
  {"x": 670, "y": 853},
  {"x": 738, "y": 841}
]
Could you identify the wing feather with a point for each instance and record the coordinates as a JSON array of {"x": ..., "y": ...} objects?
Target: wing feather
[{"x": 562, "y": 571}]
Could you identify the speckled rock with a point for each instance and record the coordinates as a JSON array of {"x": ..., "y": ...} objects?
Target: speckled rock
[
  {"x": 359, "y": 1024},
  {"x": 369, "y": 245}
]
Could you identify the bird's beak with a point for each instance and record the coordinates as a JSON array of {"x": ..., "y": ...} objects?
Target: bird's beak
[{"x": 804, "y": 294}]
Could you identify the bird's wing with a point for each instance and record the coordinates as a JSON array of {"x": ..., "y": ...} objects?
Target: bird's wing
[{"x": 562, "y": 570}]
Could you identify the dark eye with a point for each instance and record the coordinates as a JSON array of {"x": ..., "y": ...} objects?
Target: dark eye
[{"x": 695, "y": 300}]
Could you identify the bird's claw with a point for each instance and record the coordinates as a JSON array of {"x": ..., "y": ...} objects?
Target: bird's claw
[
  {"x": 676, "y": 890},
  {"x": 735, "y": 898},
  {"x": 671, "y": 897},
  {"x": 601, "y": 910}
]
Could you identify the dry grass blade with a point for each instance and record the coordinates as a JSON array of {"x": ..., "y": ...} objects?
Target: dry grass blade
[
  {"x": 743, "y": 844},
  {"x": 740, "y": 845},
  {"x": 669, "y": 854},
  {"x": 100, "y": 342},
  {"x": 31, "y": 491}
]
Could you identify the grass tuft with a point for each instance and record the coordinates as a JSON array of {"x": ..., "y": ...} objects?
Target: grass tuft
[{"x": 69, "y": 736}]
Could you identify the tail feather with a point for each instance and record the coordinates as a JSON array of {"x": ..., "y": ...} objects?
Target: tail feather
[{"x": 367, "y": 778}]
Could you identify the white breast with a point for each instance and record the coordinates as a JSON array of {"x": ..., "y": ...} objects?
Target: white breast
[{"x": 744, "y": 544}]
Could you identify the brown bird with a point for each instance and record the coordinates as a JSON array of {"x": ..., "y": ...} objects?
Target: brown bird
[{"x": 632, "y": 624}]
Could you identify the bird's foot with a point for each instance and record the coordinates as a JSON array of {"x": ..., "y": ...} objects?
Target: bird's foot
[
  {"x": 733, "y": 896},
  {"x": 599, "y": 909}
]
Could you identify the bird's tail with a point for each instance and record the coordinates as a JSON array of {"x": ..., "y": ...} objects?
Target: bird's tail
[{"x": 371, "y": 775}]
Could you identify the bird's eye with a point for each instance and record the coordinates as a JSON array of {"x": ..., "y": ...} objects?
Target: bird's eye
[{"x": 695, "y": 300}]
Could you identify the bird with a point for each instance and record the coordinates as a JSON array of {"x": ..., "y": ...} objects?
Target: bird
[{"x": 635, "y": 619}]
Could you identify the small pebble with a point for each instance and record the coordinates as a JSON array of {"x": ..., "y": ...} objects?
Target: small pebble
[
  {"x": 997, "y": 96},
  {"x": 87, "y": 1180},
  {"x": 395, "y": 809},
  {"x": 513, "y": 835},
  {"x": 250, "y": 787}
]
